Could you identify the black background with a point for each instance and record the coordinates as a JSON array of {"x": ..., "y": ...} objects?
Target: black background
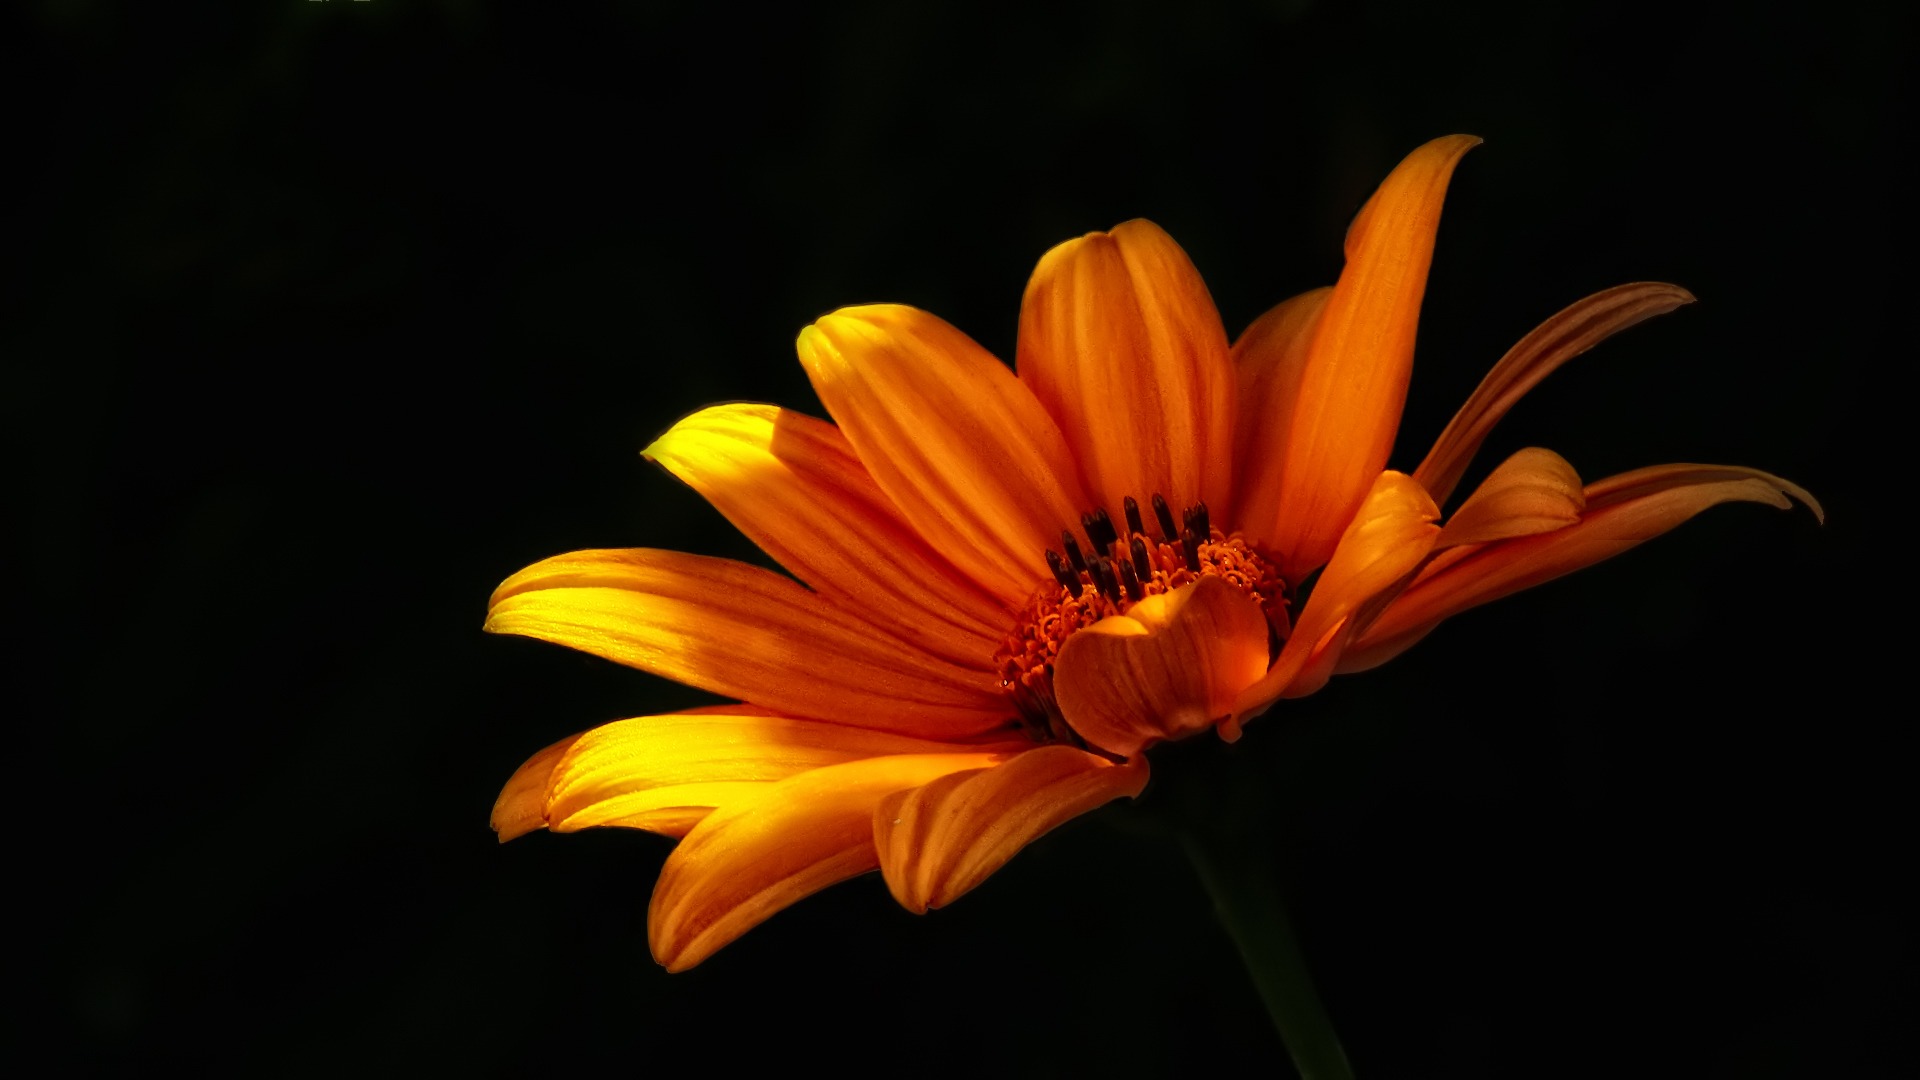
[{"x": 324, "y": 316}]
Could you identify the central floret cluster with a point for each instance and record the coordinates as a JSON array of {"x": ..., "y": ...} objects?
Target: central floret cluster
[{"x": 1119, "y": 570}]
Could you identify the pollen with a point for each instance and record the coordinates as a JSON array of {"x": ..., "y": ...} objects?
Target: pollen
[{"x": 1122, "y": 567}]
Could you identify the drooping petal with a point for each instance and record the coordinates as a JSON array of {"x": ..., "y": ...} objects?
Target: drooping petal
[
  {"x": 1622, "y": 511},
  {"x": 1121, "y": 342},
  {"x": 1355, "y": 379},
  {"x": 1170, "y": 666},
  {"x": 744, "y": 633},
  {"x": 1534, "y": 491},
  {"x": 954, "y": 439},
  {"x": 939, "y": 840},
  {"x": 793, "y": 485},
  {"x": 1269, "y": 361},
  {"x": 742, "y": 863},
  {"x": 1386, "y": 540},
  {"x": 664, "y": 773},
  {"x": 522, "y": 805},
  {"x": 1579, "y": 327}
]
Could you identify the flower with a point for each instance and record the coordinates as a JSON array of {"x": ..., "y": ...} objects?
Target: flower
[{"x": 959, "y": 673}]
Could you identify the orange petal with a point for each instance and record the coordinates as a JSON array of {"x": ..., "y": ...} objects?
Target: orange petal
[
  {"x": 1579, "y": 327},
  {"x": 939, "y": 840},
  {"x": 1534, "y": 491},
  {"x": 1355, "y": 379},
  {"x": 1269, "y": 360},
  {"x": 1120, "y": 341},
  {"x": 743, "y": 863},
  {"x": 1386, "y": 540},
  {"x": 1170, "y": 666},
  {"x": 954, "y": 439},
  {"x": 663, "y": 773},
  {"x": 744, "y": 633},
  {"x": 522, "y": 805},
  {"x": 1622, "y": 511},
  {"x": 793, "y": 485}
]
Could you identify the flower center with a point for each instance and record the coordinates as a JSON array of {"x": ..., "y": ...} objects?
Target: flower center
[{"x": 1119, "y": 570}]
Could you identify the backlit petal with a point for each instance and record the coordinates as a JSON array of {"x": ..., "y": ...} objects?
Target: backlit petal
[
  {"x": 1534, "y": 491},
  {"x": 1171, "y": 666},
  {"x": 1622, "y": 511},
  {"x": 939, "y": 840},
  {"x": 793, "y": 485},
  {"x": 743, "y": 863},
  {"x": 1579, "y": 327},
  {"x": 1120, "y": 340},
  {"x": 1386, "y": 540},
  {"x": 954, "y": 439},
  {"x": 1268, "y": 362},
  {"x": 745, "y": 633},
  {"x": 1355, "y": 380},
  {"x": 522, "y": 805}
]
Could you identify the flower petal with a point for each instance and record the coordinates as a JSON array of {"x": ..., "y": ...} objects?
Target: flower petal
[
  {"x": 1355, "y": 379},
  {"x": 1386, "y": 540},
  {"x": 744, "y": 862},
  {"x": 745, "y": 633},
  {"x": 1120, "y": 340},
  {"x": 954, "y": 439},
  {"x": 1534, "y": 491},
  {"x": 1579, "y": 327},
  {"x": 522, "y": 805},
  {"x": 939, "y": 840},
  {"x": 1170, "y": 666},
  {"x": 793, "y": 485},
  {"x": 1622, "y": 511},
  {"x": 1269, "y": 361}
]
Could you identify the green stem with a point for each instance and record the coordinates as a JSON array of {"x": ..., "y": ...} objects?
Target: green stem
[{"x": 1238, "y": 875}]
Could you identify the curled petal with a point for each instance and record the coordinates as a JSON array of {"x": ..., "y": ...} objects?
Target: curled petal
[
  {"x": 938, "y": 841},
  {"x": 954, "y": 439},
  {"x": 1534, "y": 491},
  {"x": 522, "y": 805},
  {"x": 744, "y": 633},
  {"x": 1579, "y": 327},
  {"x": 1383, "y": 544},
  {"x": 742, "y": 863},
  {"x": 1355, "y": 380},
  {"x": 1268, "y": 362},
  {"x": 1622, "y": 511},
  {"x": 793, "y": 485},
  {"x": 1171, "y": 666},
  {"x": 1120, "y": 340}
]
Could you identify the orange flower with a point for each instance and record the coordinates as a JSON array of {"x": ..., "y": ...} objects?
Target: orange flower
[{"x": 1001, "y": 611}]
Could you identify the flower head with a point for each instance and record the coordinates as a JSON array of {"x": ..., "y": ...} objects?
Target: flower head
[{"x": 1011, "y": 585}]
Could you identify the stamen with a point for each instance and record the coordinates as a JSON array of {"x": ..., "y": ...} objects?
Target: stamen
[
  {"x": 1165, "y": 517},
  {"x": 1100, "y": 569},
  {"x": 1074, "y": 558},
  {"x": 1132, "y": 509},
  {"x": 1142, "y": 563},
  {"x": 1100, "y": 530},
  {"x": 1190, "y": 548},
  {"x": 1130, "y": 580},
  {"x": 1062, "y": 573},
  {"x": 1197, "y": 517}
]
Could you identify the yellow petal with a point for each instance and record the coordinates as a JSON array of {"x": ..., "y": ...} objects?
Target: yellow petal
[
  {"x": 954, "y": 439},
  {"x": 1171, "y": 666},
  {"x": 1355, "y": 379},
  {"x": 939, "y": 840},
  {"x": 744, "y": 633},
  {"x": 1534, "y": 491},
  {"x": 1622, "y": 511},
  {"x": 1386, "y": 540},
  {"x": 793, "y": 485},
  {"x": 1269, "y": 361},
  {"x": 1120, "y": 341},
  {"x": 522, "y": 805},
  {"x": 1579, "y": 327},
  {"x": 743, "y": 863}
]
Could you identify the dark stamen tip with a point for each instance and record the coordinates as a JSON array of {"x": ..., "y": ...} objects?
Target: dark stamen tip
[
  {"x": 1074, "y": 558},
  {"x": 1131, "y": 581},
  {"x": 1202, "y": 527},
  {"x": 1164, "y": 516},
  {"x": 1132, "y": 509},
  {"x": 1142, "y": 565},
  {"x": 1101, "y": 570},
  {"x": 1099, "y": 528},
  {"x": 1190, "y": 547},
  {"x": 1062, "y": 573}
]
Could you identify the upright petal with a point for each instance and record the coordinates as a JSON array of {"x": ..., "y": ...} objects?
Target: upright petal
[
  {"x": 1579, "y": 327},
  {"x": 1120, "y": 340},
  {"x": 939, "y": 840},
  {"x": 954, "y": 439},
  {"x": 1355, "y": 382},
  {"x": 745, "y": 633},
  {"x": 793, "y": 485},
  {"x": 743, "y": 863},
  {"x": 1269, "y": 361},
  {"x": 1621, "y": 512}
]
